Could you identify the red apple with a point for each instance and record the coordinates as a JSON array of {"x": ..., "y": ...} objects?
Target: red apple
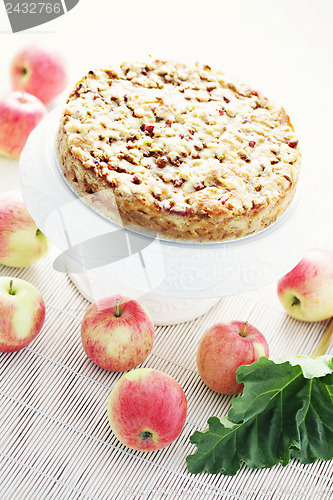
[
  {"x": 21, "y": 242},
  {"x": 117, "y": 333},
  {"x": 22, "y": 313},
  {"x": 20, "y": 112},
  {"x": 306, "y": 292},
  {"x": 147, "y": 409},
  {"x": 39, "y": 71},
  {"x": 225, "y": 347}
]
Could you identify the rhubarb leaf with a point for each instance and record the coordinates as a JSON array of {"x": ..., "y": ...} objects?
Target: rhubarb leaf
[
  {"x": 311, "y": 367},
  {"x": 285, "y": 412}
]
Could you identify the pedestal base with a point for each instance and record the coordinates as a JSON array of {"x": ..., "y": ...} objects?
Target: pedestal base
[{"x": 163, "y": 310}]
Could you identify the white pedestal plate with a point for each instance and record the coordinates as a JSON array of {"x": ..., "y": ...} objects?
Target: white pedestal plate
[{"x": 176, "y": 281}]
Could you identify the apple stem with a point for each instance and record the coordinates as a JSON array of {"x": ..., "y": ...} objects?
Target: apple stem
[
  {"x": 117, "y": 312},
  {"x": 325, "y": 341},
  {"x": 244, "y": 328},
  {"x": 11, "y": 287}
]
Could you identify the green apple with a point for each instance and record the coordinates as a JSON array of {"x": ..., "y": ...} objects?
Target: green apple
[
  {"x": 21, "y": 242},
  {"x": 22, "y": 313}
]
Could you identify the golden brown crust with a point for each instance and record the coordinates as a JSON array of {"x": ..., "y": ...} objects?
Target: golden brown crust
[{"x": 179, "y": 149}]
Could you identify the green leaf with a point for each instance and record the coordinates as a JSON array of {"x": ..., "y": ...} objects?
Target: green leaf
[
  {"x": 283, "y": 413},
  {"x": 316, "y": 423},
  {"x": 311, "y": 367}
]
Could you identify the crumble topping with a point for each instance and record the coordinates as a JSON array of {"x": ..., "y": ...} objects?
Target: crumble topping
[{"x": 184, "y": 139}]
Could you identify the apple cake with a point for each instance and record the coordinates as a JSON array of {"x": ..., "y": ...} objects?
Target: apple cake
[{"x": 179, "y": 149}]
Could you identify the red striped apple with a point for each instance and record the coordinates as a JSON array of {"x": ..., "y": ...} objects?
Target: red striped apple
[
  {"x": 22, "y": 313},
  {"x": 21, "y": 242},
  {"x": 147, "y": 409},
  {"x": 223, "y": 349},
  {"x": 40, "y": 71},
  {"x": 20, "y": 112},
  {"x": 117, "y": 333},
  {"x": 306, "y": 292}
]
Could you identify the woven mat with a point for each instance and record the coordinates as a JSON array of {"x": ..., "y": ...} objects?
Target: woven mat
[{"x": 55, "y": 440}]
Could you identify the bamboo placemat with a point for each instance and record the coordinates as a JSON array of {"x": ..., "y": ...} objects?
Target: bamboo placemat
[{"x": 55, "y": 440}]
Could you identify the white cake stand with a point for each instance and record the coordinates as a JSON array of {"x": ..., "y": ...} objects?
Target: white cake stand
[{"x": 169, "y": 277}]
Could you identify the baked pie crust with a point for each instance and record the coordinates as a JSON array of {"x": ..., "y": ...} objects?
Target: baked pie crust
[{"x": 178, "y": 149}]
